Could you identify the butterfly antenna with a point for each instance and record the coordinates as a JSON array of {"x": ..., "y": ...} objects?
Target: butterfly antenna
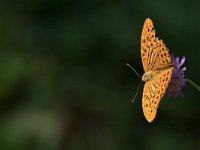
[
  {"x": 134, "y": 70},
  {"x": 136, "y": 92}
]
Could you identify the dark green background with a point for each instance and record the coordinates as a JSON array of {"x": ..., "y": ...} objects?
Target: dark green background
[{"x": 64, "y": 83}]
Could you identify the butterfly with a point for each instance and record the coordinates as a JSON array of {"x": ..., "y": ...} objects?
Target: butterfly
[{"x": 158, "y": 68}]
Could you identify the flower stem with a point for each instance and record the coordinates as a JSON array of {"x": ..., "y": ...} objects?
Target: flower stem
[{"x": 193, "y": 84}]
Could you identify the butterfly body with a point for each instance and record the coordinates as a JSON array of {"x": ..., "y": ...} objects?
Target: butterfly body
[
  {"x": 158, "y": 68},
  {"x": 147, "y": 76}
]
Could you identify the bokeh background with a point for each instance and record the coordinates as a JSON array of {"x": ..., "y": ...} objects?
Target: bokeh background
[{"x": 64, "y": 83}]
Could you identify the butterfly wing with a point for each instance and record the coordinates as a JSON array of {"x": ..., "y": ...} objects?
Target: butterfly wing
[
  {"x": 154, "y": 53},
  {"x": 147, "y": 51},
  {"x": 153, "y": 92}
]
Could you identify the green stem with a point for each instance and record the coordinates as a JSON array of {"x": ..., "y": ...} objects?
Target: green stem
[{"x": 193, "y": 84}]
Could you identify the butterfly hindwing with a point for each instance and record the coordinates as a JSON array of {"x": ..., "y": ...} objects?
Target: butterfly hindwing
[{"x": 163, "y": 58}]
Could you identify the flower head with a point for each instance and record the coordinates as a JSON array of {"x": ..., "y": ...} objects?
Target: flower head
[{"x": 178, "y": 77}]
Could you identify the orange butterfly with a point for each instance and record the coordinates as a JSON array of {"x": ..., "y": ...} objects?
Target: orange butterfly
[{"x": 158, "y": 68}]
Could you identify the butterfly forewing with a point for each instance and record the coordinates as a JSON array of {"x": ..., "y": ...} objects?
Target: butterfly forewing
[{"x": 147, "y": 51}]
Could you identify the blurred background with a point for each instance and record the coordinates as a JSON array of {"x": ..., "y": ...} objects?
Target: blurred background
[{"x": 64, "y": 83}]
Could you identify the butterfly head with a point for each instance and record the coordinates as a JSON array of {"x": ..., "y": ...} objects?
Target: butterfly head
[{"x": 147, "y": 76}]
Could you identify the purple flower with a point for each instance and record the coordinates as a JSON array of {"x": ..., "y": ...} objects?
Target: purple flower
[{"x": 178, "y": 78}]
